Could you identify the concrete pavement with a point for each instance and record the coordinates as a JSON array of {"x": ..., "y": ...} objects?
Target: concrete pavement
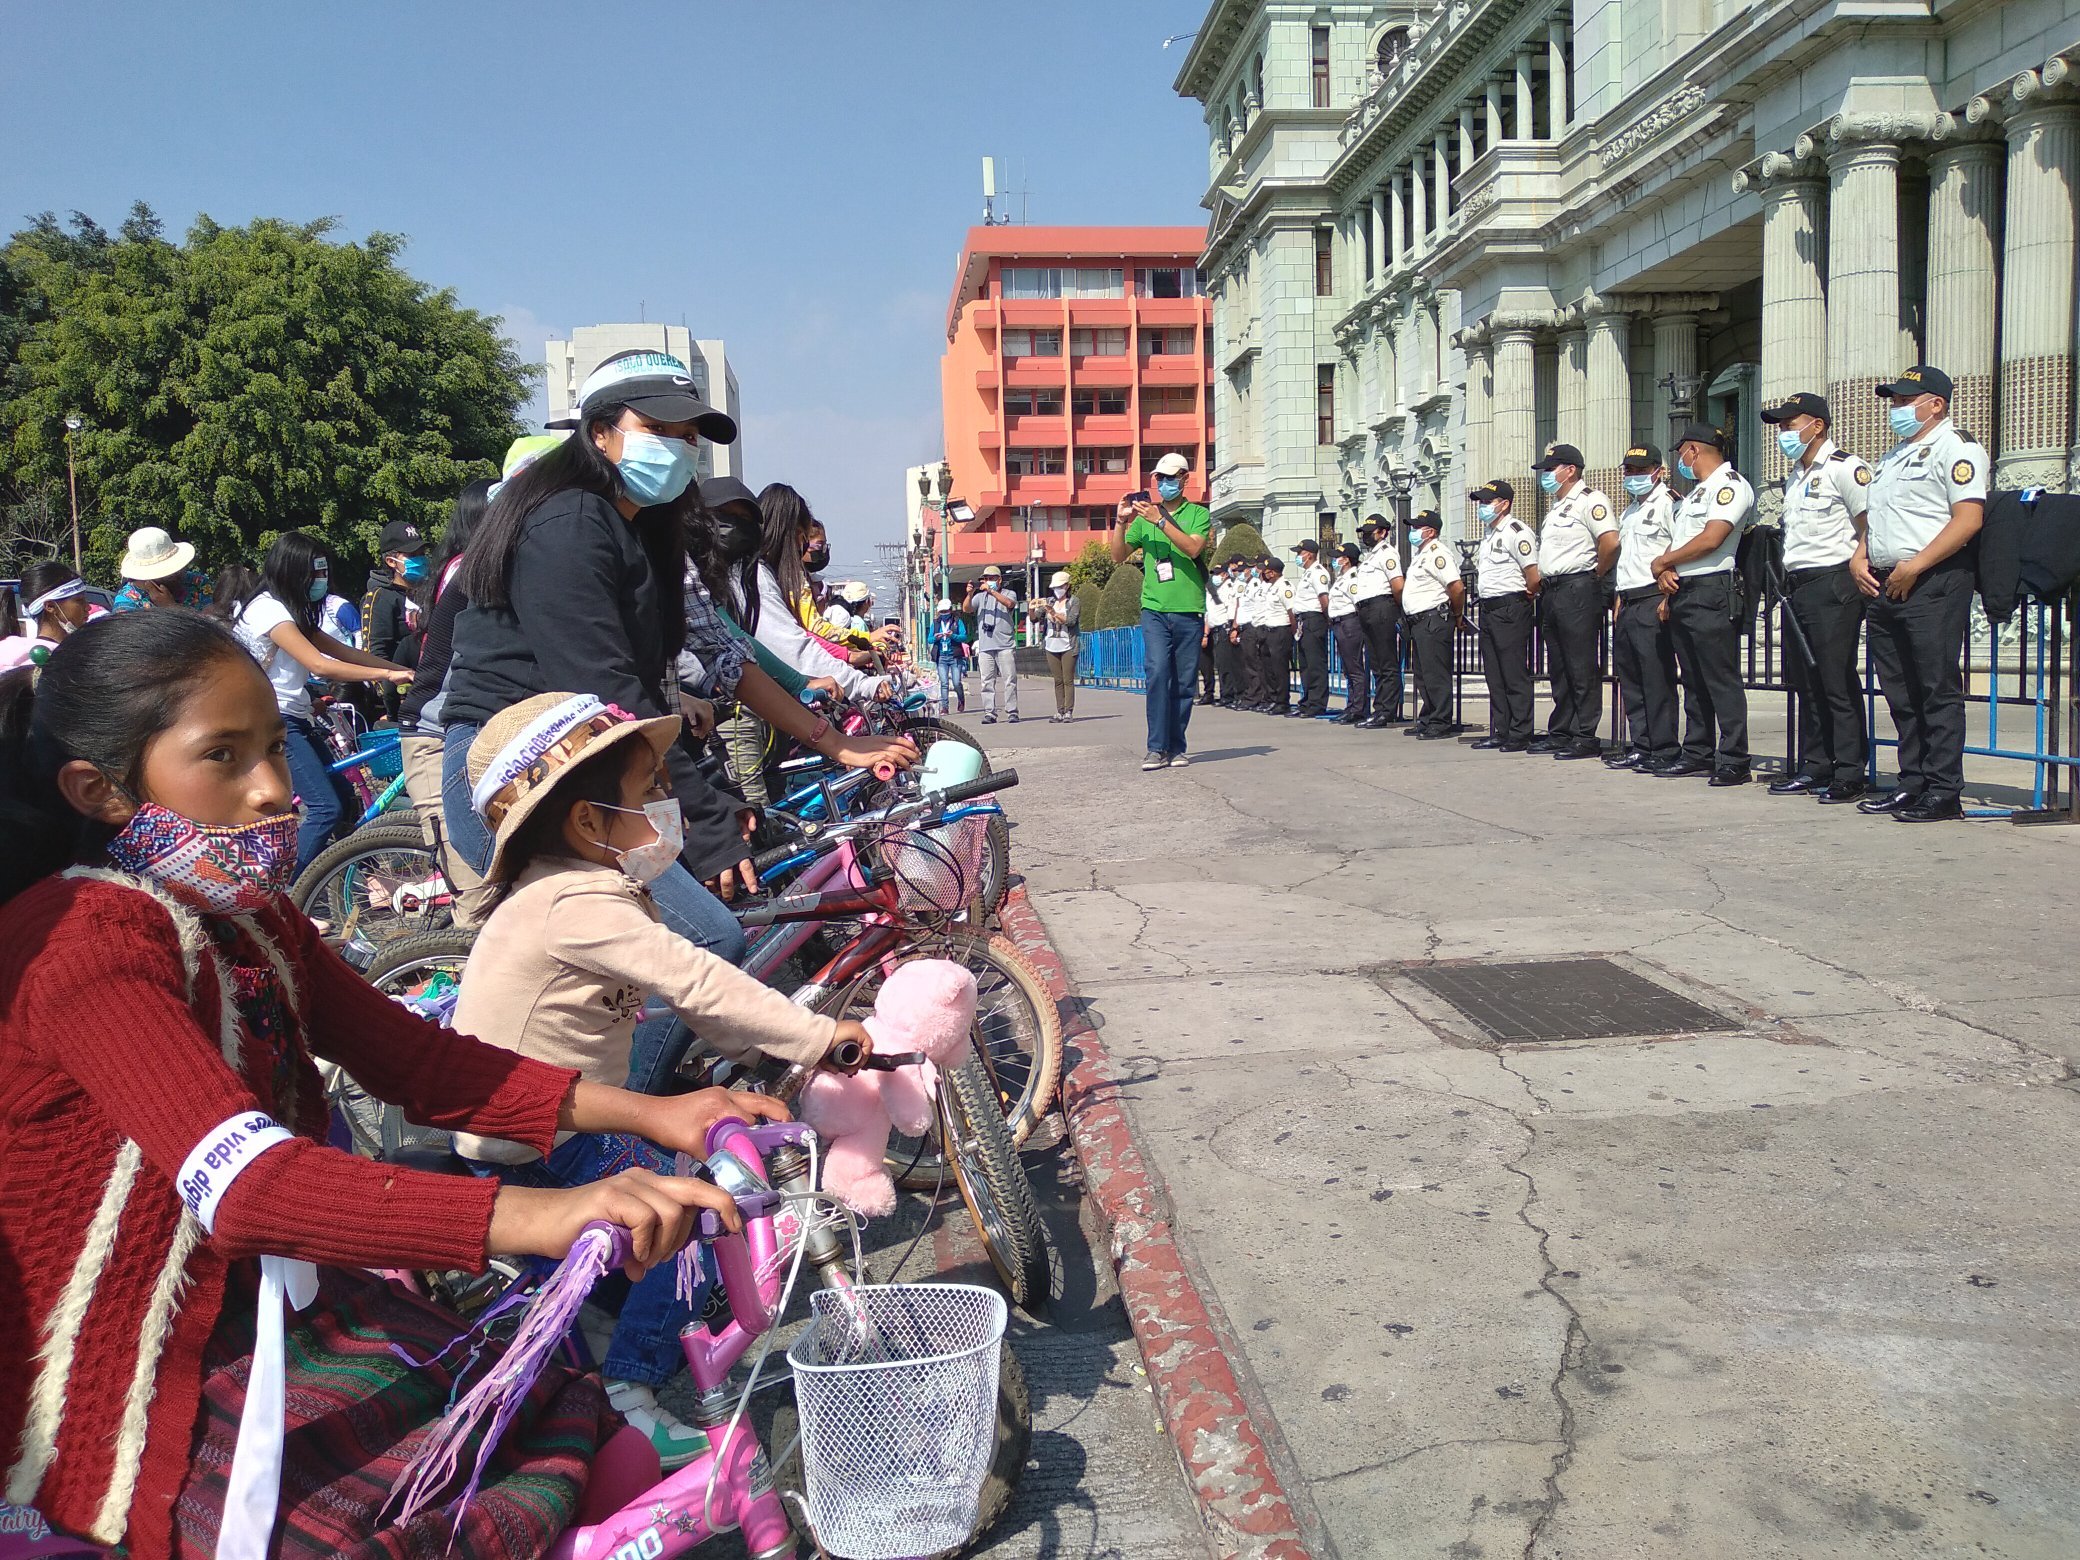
[{"x": 1799, "y": 1287}]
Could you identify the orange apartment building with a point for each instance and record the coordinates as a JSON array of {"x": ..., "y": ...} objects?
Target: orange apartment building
[{"x": 1076, "y": 358}]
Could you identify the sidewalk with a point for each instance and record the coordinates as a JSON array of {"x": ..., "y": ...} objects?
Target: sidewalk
[{"x": 1797, "y": 1286}]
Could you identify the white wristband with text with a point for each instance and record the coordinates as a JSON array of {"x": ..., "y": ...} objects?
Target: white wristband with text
[{"x": 221, "y": 1157}]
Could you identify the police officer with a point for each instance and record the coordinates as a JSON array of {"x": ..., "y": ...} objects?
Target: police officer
[
  {"x": 1696, "y": 574},
  {"x": 1825, "y": 494},
  {"x": 1349, "y": 636},
  {"x": 1642, "y": 651},
  {"x": 1928, "y": 500},
  {"x": 1275, "y": 645},
  {"x": 1216, "y": 654},
  {"x": 1576, "y": 547},
  {"x": 1248, "y": 636},
  {"x": 1506, "y": 580},
  {"x": 1432, "y": 599},
  {"x": 1377, "y": 593},
  {"x": 1311, "y": 629}
]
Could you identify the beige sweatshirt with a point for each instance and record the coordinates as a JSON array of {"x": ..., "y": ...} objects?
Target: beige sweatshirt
[{"x": 561, "y": 971}]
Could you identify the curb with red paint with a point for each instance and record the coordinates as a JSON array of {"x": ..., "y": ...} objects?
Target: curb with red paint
[{"x": 1240, "y": 1498}]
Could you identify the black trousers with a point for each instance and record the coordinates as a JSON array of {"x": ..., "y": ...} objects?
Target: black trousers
[
  {"x": 1207, "y": 687},
  {"x": 1350, "y": 650},
  {"x": 1832, "y": 742},
  {"x": 1311, "y": 632},
  {"x": 1275, "y": 655},
  {"x": 1917, "y": 646},
  {"x": 1571, "y": 609},
  {"x": 1380, "y": 618},
  {"x": 1643, "y": 654},
  {"x": 1430, "y": 645},
  {"x": 1708, "y": 650},
  {"x": 1249, "y": 662},
  {"x": 1228, "y": 687},
  {"x": 1505, "y": 625}
]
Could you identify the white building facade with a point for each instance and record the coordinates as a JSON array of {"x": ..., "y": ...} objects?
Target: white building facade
[
  {"x": 1446, "y": 235},
  {"x": 570, "y": 362}
]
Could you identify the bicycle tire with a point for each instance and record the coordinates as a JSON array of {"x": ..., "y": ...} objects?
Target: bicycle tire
[
  {"x": 985, "y": 1167},
  {"x": 1007, "y": 1459},
  {"x": 325, "y": 890},
  {"x": 399, "y": 962},
  {"x": 924, "y": 730}
]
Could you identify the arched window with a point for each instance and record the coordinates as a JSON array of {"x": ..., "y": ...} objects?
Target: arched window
[{"x": 1393, "y": 44}]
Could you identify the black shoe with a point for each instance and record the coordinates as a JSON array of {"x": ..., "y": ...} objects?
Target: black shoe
[
  {"x": 1676, "y": 769},
  {"x": 1544, "y": 745},
  {"x": 1485, "y": 743},
  {"x": 1930, "y": 812},
  {"x": 1512, "y": 747},
  {"x": 1414, "y": 729},
  {"x": 1202, "y": 701},
  {"x": 1432, "y": 733},
  {"x": 1391, "y": 717},
  {"x": 1835, "y": 795},
  {"x": 1890, "y": 802},
  {"x": 1732, "y": 776},
  {"x": 1796, "y": 785},
  {"x": 1589, "y": 749},
  {"x": 1625, "y": 758}
]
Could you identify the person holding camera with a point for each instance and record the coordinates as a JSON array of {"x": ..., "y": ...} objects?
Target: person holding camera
[
  {"x": 1171, "y": 532},
  {"x": 996, "y": 619}
]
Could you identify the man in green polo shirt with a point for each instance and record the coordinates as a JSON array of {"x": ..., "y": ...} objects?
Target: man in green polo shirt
[{"x": 1171, "y": 532}]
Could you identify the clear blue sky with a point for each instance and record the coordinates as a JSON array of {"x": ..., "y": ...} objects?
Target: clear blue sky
[{"x": 795, "y": 178}]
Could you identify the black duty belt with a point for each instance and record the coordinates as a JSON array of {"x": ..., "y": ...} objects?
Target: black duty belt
[
  {"x": 1509, "y": 595},
  {"x": 1639, "y": 592},
  {"x": 1800, "y": 576}
]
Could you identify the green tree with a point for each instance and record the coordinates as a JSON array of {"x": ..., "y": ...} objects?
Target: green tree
[
  {"x": 1119, "y": 603},
  {"x": 1090, "y": 568},
  {"x": 1240, "y": 540},
  {"x": 247, "y": 381}
]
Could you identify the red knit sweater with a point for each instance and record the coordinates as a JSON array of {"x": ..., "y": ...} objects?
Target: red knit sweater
[{"x": 114, "y": 1035}]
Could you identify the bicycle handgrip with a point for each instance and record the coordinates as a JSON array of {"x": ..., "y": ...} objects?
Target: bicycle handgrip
[
  {"x": 981, "y": 785},
  {"x": 766, "y": 860}
]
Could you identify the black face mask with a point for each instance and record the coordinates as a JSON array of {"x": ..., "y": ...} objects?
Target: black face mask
[
  {"x": 736, "y": 536},
  {"x": 816, "y": 559}
]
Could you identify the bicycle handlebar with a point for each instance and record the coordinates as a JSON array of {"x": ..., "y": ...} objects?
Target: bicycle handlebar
[{"x": 981, "y": 785}]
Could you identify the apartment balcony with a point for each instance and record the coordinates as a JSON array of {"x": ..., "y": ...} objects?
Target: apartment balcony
[
  {"x": 1037, "y": 490},
  {"x": 1170, "y": 311},
  {"x": 1107, "y": 370},
  {"x": 1100, "y": 312},
  {"x": 1048, "y": 372},
  {"x": 1183, "y": 368},
  {"x": 988, "y": 439},
  {"x": 983, "y": 315},
  {"x": 1104, "y": 487},
  {"x": 1170, "y": 428},
  {"x": 1039, "y": 432},
  {"x": 1031, "y": 313},
  {"x": 1104, "y": 428},
  {"x": 1010, "y": 548}
]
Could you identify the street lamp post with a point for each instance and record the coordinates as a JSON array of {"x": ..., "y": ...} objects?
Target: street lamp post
[{"x": 73, "y": 426}]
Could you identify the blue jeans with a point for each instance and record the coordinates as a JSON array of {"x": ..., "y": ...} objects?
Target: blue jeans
[
  {"x": 682, "y": 903},
  {"x": 325, "y": 800},
  {"x": 952, "y": 692},
  {"x": 645, "y": 1346},
  {"x": 1170, "y": 643}
]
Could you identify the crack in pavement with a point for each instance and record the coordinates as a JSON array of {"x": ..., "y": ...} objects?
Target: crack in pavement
[{"x": 1434, "y": 1446}]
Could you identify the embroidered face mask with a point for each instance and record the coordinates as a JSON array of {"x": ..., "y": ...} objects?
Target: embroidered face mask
[
  {"x": 215, "y": 868},
  {"x": 647, "y": 863}
]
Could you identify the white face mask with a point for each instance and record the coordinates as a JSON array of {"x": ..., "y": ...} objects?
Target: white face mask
[{"x": 646, "y": 863}]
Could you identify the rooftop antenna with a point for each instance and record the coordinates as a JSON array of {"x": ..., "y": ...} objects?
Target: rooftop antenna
[
  {"x": 1024, "y": 191},
  {"x": 642, "y": 311},
  {"x": 989, "y": 192}
]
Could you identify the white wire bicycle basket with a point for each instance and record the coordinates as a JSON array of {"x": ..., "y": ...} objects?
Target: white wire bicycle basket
[
  {"x": 897, "y": 1385},
  {"x": 938, "y": 869}
]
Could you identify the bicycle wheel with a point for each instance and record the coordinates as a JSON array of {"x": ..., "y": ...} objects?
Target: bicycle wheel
[
  {"x": 380, "y": 883},
  {"x": 422, "y": 971},
  {"x": 985, "y": 1166},
  {"x": 924, "y": 730}
]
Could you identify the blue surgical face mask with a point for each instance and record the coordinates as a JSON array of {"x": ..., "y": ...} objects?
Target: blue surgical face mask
[
  {"x": 414, "y": 570},
  {"x": 1905, "y": 422},
  {"x": 1683, "y": 470},
  {"x": 1485, "y": 511},
  {"x": 1168, "y": 488},
  {"x": 1639, "y": 484},
  {"x": 321, "y": 583},
  {"x": 654, "y": 470},
  {"x": 1792, "y": 444},
  {"x": 1549, "y": 481}
]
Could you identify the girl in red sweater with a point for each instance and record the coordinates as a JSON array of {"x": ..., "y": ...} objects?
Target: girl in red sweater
[{"x": 164, "y": 1177}]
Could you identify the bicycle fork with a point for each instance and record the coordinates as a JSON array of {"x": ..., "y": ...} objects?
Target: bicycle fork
[{"x": 674, "y": 1518}]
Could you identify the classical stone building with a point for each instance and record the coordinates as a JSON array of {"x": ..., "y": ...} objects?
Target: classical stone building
[{"x": 1445, "y": 235}]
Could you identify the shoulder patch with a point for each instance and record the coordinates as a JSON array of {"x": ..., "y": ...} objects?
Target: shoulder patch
[
  {"x": 1962, "y": 471},
  {"x": 1863, "y": 475},
  {"x": 1599, "y": 513},
  {"x": 1725, "y": 496},
  {"x": 1524, "y": 548}
]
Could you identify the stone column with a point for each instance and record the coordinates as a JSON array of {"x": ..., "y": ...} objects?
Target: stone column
[
  {"x": 1556, "y": 79},
  {"x": 1571, "y": 384},
  {"x": 2036, "y": 289},
  {"x": 1964, "y": 218},
  {"x": 1521, "y": 128},
  {"x": 1675, "y": 353},
  {"x": 1609, "y": 393},
  {"x": 1794, "y": 289},
  {"x": 1407, "y": 357},
  {"x": 1418, "y": 207},
  {"x": 1397, "y": 222},
  {"x": 1465, "y": 138},
  {"x": 1423, "y": 309},
  {"x": 1494, "y": 110},
  {"x": 1480, "y": 393},
  {"x": 1376, "y": 215},
  {"x": 1513, "y": 411},
  {"x": 1866, "y": 344},
  {"x": 1441, "y": 177},
  {"x": 1389, "y": 358}
]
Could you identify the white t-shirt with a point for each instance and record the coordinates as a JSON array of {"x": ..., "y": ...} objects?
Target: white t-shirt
[{"x": 255, "y": 621}]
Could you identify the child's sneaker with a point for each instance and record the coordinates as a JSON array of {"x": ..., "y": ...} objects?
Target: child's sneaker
[{"x": 675, "y": 1442}]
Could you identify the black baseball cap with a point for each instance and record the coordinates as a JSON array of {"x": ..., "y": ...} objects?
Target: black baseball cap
[
  {"x": 1919, "y": 380},
  {"x": 657, "y": 385},
  {"x": 1560, "y": 455},
  {"x": 1307, "y": 544},
  {"x": 1278, "y": 565},
  {"x": 1349, "y": 550},
  {"x": 1425, "y": 517},
  {"x": 1376, "y": 520},
  {"x": 1802, "y": 404},
  {"x": 1703, "y": 433},
  {"x": 1644, "y": 456},
  {"x": 719, "y": 491},
  {"x": 400, "y": 536},
  {"x": 1488, "y": 492}
]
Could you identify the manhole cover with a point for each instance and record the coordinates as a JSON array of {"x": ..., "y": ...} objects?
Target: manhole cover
[{"x": 1563, "y": 999}]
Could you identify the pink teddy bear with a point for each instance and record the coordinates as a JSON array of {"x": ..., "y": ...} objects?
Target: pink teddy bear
[{"x": 927, "y": 1005}]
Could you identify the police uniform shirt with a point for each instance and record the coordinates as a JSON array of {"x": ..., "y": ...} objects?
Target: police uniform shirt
[
  {"x": 1914, "y": 487},
  {"x": 1430, "y": 572},
  {"x": 1645, "y": 531},
  {"x": 1567, "y": 540},
  {"x": 1220, "y": 602},
  {"x": 1285, "y": 601},
  {"x": 1312, "y": 585},
  {"x": 1506, "y": 552},
  {"x": 1822, "y": 503},
  {"x": 1377, "y": 571},
  {"x": 1342, "y": 601},
  {"x": 1249, "y": 600},
  {"x": 1724, "y": 495}
]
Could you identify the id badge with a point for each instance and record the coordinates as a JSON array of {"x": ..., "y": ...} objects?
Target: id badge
[{"x": 1165, "y": 570}]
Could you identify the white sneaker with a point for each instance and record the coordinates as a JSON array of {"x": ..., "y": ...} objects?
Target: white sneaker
[
  {"x": 1178, "y": 760},
  {"x": 675, "y": 1442}
]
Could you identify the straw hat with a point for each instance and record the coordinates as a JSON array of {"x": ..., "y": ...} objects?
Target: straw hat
[
  {"x": 153, "y": 555},
  {"x": 524, "y": 751}
]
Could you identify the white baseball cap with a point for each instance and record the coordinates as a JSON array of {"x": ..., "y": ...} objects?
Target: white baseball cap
[
  {"x": 945, "y": 604},
  {"x": 1058, "y": 578},
  {"x": 1172, "y": 465}
]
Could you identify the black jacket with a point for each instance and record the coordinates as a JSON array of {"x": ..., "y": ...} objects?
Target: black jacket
[
  {"x": 583, "y": 617},
  {"x": 2027, "y": 549}
]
